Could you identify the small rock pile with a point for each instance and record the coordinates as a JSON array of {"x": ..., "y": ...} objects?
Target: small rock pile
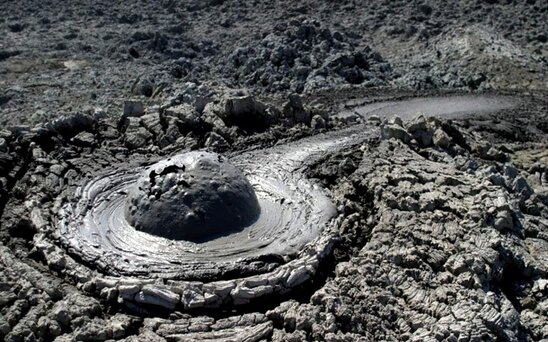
[
  {"x": 305, "y": 55},
  {"x": 423, "y": 132},
  {"x": 216, "y": 123}
]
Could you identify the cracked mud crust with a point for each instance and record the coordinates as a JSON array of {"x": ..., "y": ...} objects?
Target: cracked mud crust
[
  {"x": 375, "y": 222},
  {"x": 432, "y": 221}
]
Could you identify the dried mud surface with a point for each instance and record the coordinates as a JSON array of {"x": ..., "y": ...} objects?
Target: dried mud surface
[{"x": 377, "y": 223}]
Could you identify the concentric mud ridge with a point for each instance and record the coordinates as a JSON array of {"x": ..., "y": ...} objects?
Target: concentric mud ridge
[
  {"x": 293, "y": 212},
  {"x": 281, "y": 249},
  {"x": 295, "y": 225}
]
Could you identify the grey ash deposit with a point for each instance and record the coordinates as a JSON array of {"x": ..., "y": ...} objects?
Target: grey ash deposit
[{"x": 372, "y": 226}]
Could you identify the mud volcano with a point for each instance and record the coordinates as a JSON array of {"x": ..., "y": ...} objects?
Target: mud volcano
[
  {"x": 197, "y": 230},
  {"x": 195, "y": 196}
]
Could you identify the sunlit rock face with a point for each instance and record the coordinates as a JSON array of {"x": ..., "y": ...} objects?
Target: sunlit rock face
[{"x": 194, "y": 196}]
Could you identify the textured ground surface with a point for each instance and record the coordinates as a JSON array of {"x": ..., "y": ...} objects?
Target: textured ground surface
[
  {"x": 440, "y": 228},
  {"x": 441, "y": 232},
  {"x": 59, "y": 59}
]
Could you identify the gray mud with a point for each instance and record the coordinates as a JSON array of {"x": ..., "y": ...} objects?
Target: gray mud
[
  {"x": 375, "y": 224},
  {"x": 195, "y": 196},
  {"x": 353, "y": 195},
  {"x": 447, "y": 107},
  {"x": 293, "y": 211}
]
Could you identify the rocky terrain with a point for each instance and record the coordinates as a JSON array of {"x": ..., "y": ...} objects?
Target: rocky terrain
[
  {"x": 436, "y": 227},
  {"x": 56, "y": 59}
]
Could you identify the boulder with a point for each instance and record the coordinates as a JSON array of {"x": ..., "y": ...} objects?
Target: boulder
[
  {"x": 441, "y": 138},
  {"x": 294, "y": 110},
  {"x": 389, "y": 131},
  {"x": 317, "y": 122},
  {"x": 84, "y": 139},
  {"x": 133, "y": 109},
  {"x": 188, "y": 116},
  {"x": 216, "y": 142}
]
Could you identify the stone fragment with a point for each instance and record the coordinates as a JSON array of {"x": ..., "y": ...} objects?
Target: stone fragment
[
  {"x": 240, "y": 105},
  {"x": 49, "y": 326},
  {"x": 521, "y": 187},
  {"x": 216, "y": 142},
  {"x": 317, "y": 122},
  {"x": 294, "y": 110},
  {"x": 135, "y": 135},
  {"x": 128, "y": 291},
  {"x": 375, "y": 119},
  {"x": 119, "y": 324},
  {"x": 86, "y": 139},
  {"x": 441, "y": 138},
  {"x": 244, "y": 294},
  {"x": 210, "y": 116},
  {"x": 133, "y": 109},
  {"x": 297, "y": 277},
  {"x": 212, "y": 300},
  {"x": 92, "y": 330},
  {"x": 255, "y": 281},
  {"x": 187, "y": 115},
  {"x": 74, "y": 305},
  {"x": 71, "y": 125},
  {"x": 395, "y": 120},
  {"x": 238, "y": 109},
  {"x": 152, "y": 123},
  {"x": 109, "y": 294},
  {"x": 389, "y": 131},
  {"x": 417, "y": 123},
  {"x": 192, "y": 299},
  {"x": 220, "y": 288},
  {"x": 153, "y": 295},
  {"x": 504, "y": 220},
  {"x": 101, "y": 283},
  {"x": 56, "y": 260}
]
